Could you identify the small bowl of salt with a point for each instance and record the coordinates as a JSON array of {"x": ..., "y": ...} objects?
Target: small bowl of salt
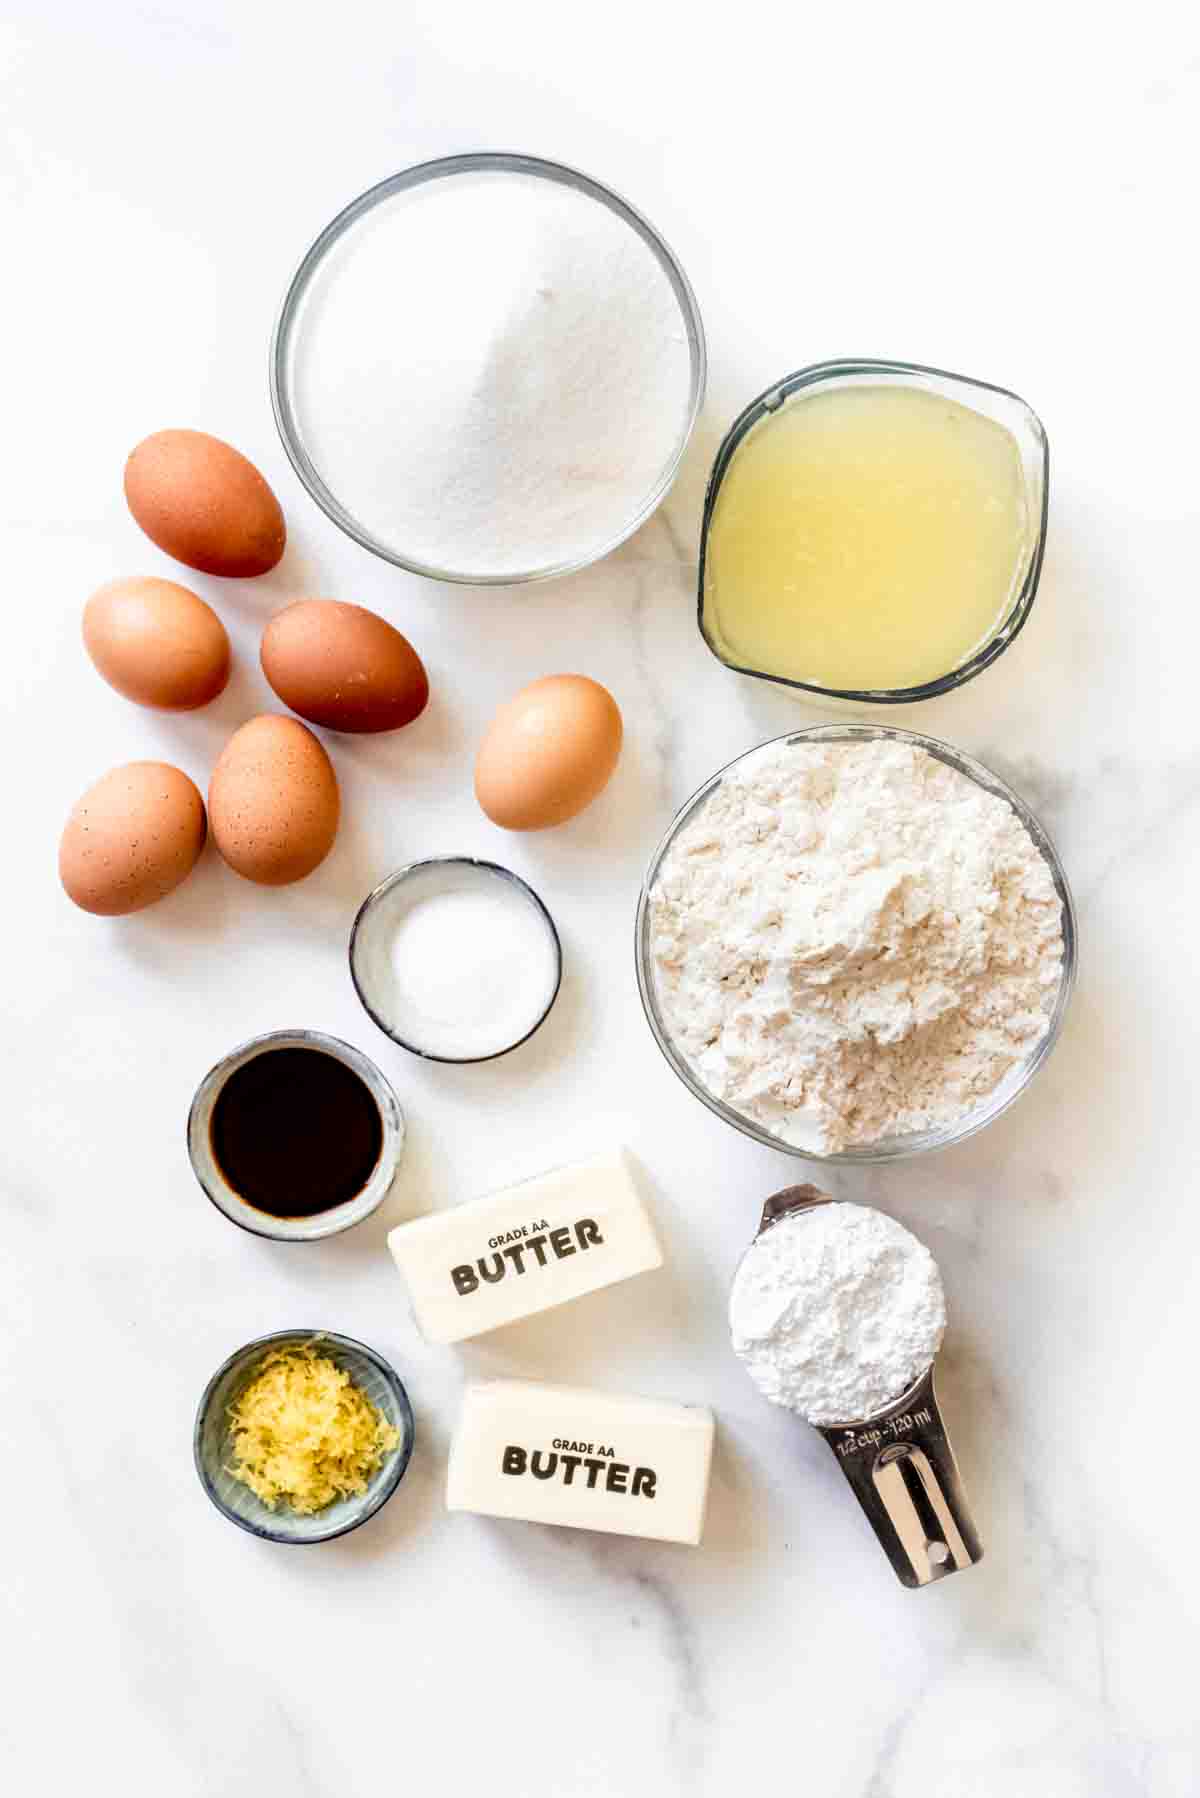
[{"x": 455, "y": 959}]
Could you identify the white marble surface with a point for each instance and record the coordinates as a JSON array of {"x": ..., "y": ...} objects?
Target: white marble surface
[{"x": 1001, "y": 192}]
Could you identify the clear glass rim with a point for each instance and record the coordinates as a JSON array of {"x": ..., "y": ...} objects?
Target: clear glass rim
[
  {"x": 321, "y": 1224},
  {"x": 380, "y": 894},
  {"x": 1009, "y": 627},
  {"x": 387, "y": 1478},
  {"x": 896, "y": 1148},
  {"x": 476, "y": 162}
]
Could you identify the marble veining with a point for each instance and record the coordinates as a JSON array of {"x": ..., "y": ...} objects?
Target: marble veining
[{"x": 1009, "y": 199}]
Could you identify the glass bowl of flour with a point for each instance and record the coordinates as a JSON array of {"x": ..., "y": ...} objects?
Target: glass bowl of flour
[
  {"x": 855, "y": 944},
  {"x": 487, "y": 369}
]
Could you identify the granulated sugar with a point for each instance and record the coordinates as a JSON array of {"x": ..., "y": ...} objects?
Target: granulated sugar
[
  {"x": 836, "y": 1311},
  {"x": 492, "y": 373}
]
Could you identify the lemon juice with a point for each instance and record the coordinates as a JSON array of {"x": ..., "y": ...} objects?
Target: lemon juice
[{"x": 865, "y": 538}]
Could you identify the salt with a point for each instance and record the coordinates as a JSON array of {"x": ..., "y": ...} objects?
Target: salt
[
  {"x": 492, "y": 374},
  {"x": 457, "y": 960}
]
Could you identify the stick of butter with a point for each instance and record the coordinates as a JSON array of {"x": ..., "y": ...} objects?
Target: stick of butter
[
  {"x": 532, "y": 1246},
  {"x": 561, "y": 1454}
]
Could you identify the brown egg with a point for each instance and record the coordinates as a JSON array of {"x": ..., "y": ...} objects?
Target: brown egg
[
  {"x": 204, "y": 503},
  {"x": 548, "y": 752},
  {"x": 157, "y": 643},
  {"x": 273, "y": 801},
  {"x": 343, "y": 667},
  {"x": 131, "y": 839}
]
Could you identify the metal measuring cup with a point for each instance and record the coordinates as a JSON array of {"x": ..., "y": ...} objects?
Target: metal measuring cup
[{"x": 899, "y": 1461}]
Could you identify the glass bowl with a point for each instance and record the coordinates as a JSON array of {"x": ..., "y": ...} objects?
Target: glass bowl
[
  {"x": 917, "y": 1142},
  {"x": 368, "y": 935},
  {"x": 285, "y": 348},
  {"x": 210, "y": 1439},
  {"x": 996, "y": 403},
  {"x": 319, "y": 1224}
]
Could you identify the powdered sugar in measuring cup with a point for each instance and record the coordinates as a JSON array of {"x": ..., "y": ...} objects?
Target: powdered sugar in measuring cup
[{"x": 837, "y": 1312}]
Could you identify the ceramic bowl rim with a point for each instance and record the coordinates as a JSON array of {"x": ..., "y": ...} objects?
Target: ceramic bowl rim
[
  {"x": 322, "y": 1224},
  {"x": 389, "y": 1475}
]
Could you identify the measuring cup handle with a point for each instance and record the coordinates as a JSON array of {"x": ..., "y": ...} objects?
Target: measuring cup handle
[{"x": 903, "y": 1473}]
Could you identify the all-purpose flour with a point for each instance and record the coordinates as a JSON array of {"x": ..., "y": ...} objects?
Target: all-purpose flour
[
  {"x": 836, "y": 1311},
  {"x": 854, "y": 941},
  {"x": 492, "y": 373}
]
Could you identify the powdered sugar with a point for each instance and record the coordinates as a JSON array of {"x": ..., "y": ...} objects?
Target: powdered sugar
[
  {"x": 853, "y": 941},
  {"x": 836, "y": 1311},
  {"x": 492, "y": 373}
]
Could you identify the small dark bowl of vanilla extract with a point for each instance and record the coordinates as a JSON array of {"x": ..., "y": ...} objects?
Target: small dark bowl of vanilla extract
[{"x": 295, "y": 1135}]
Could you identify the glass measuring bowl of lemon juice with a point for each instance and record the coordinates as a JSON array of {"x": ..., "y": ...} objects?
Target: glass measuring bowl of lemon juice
[{"x": 873, "y": 531}]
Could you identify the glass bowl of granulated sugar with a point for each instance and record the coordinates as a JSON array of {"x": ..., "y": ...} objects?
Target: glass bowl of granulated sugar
[
  {"x": 487, "y": 369},
  {"x": 855, "y": 944}
]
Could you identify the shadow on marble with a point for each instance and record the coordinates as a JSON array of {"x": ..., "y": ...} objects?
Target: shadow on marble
[
  {"x": 652, "y": 1315},
  {"x": 544, "y": 1551},
  {"x": 203, "y": 909},
  {"x": 299, "y": 574},
  {"x": 997, "y": 1167},
  {"x": 508, "y": 1077},
  {"x": 413, "y": 1509},
  {"x": 204, "y": 733},
  {"x": 619, "y": 827},
  {"x": 215, "y": 902},
  {"x": 682, "y": 512},
  {"x": 411, "y": 755},
  {"x": 322, "y": 1268},
  {"x": 994, "y": 714}
]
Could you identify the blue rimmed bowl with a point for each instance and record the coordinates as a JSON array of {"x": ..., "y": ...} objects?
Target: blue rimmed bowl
[{"x": 211, "y": 1445}]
